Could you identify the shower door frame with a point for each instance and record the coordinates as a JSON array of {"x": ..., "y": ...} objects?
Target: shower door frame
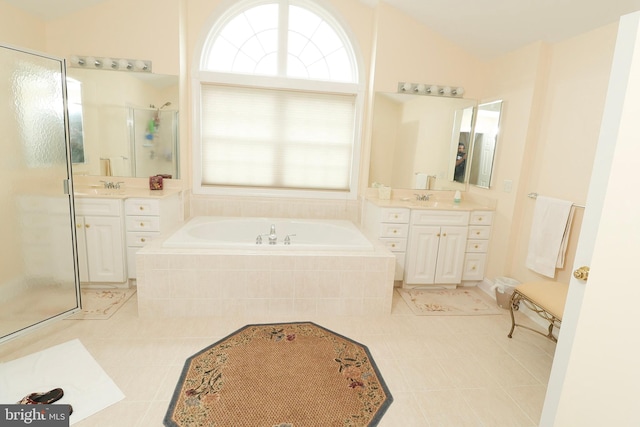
[{"x": 66, "y": 189}]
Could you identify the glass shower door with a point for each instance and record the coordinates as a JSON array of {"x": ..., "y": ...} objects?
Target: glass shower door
[{"x": 37, "y": 249}]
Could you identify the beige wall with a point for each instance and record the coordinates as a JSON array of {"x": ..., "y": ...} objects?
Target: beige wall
[
  {"x": 553, "y": 94},
  {"x": 20, "y": 29}
]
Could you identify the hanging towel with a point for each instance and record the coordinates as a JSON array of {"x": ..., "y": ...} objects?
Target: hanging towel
[
  {"x": 421, "y": 181},
  {"x": 549, "y": 235},
  {"x": 106, "y": 167},
  {"x": 118, "y": 166}
]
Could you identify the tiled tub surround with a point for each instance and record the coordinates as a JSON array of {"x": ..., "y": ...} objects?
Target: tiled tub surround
[{"x": 176, "y": 282}]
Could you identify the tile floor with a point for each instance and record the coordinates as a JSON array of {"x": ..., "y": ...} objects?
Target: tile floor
[{"x": 450, "y": 371}]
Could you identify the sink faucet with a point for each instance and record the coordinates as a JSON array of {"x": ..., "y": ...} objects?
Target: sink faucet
[
  {"x": 422, "y": 197},
  {"x": 110, "y": 185},
  {"x": 273, "y": 238}
]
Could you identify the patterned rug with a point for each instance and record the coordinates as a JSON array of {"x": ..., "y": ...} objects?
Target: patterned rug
[
  {"x": 280, "y": 375},
  {"x": 101, "y": 303},
  {"x": 467, "y": 301}
]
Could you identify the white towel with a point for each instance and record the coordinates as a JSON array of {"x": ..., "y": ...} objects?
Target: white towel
[
  {"x": 119, "y": 166},
  {"x": 421, "y": 181},
  {"x": 549, "y": 235}
]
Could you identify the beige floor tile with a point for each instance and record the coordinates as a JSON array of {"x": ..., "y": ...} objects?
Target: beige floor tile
[
  {"x": 495, "y": 408},
  {"x": 441, "y": 370}
]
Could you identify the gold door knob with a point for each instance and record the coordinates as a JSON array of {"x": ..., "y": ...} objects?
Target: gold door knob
[{"x": 581, "y": 273}]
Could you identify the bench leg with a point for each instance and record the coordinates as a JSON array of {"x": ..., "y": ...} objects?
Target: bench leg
[{"x": 516, "y": 299}]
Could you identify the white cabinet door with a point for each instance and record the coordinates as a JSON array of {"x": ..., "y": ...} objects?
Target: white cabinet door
[
  {"x": 104, "y": 248},
  {"x": 453, "y": 241},
  {"x": 435, "y": 255},
  {"x": 422, "y": 255},
  {"x": 83, "y": 262}
]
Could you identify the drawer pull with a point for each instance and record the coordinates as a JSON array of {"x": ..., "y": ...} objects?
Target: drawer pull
[
  {"x": 395, "y": 231},
  {"x": 393, "y": 245},
  {"x": 444, "y": 234},
  {"x": 476, "y": 246},
  {"x": 395, "y": 216},
  {"x": 477, "y": 233},
  {"x": 473, "y": 268},
  {"x": 438, "y": 235},
  {"x": 141, "y": 208},
  {"x": 142, "y": 224},
  {"x": 480, "y": 219},
  {"x": 87, "y": 226},
  {"x": 143, "y": 240}
]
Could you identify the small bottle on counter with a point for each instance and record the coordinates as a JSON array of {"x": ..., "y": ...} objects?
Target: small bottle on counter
[{"x": 457, "y": 197}]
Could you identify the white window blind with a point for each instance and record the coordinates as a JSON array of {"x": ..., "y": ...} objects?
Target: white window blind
[{"x": 276, "y": 138}]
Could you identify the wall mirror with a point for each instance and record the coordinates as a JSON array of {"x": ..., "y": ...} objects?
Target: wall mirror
[
  {"x": 123, "y": 123},
  {"x": 415, "y": 140},
  {"x": 485, "y": 138}
]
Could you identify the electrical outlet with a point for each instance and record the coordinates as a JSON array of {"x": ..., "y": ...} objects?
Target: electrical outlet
[{"x": 507, "y": 186}]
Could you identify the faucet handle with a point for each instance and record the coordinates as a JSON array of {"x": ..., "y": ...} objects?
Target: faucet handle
[
  {"x": 259, "y": 239},
  {"x": 287, "y": 239}
]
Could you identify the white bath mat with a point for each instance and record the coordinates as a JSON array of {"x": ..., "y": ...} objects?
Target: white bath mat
[{"x": 87, "y": 387}]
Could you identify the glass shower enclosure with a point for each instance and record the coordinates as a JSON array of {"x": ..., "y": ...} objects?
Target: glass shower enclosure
[
  {"x": 38, "y": 276},
  {"x": 153, "y": 136}
]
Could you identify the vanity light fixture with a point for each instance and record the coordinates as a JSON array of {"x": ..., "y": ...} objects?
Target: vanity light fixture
[
  {"x": 435, "y": 90},
  {"x": 116, "y": 64}
]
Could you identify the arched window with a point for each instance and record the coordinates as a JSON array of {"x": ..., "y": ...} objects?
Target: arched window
[{"x": 279, "y": 103}]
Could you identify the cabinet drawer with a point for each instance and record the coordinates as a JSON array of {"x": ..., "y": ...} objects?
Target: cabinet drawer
[
  {"x": 474, "y": 266},
  {"x": 435, "y": 217},
  {"x": 481, "y": 218},
  {"x": 141, "y": 238},
  {"x": 395, "y": 215},
  {"x": 394, "y": 230},
  {"x": 140, "y": 206},
  {"x": 477, "y": 246},
  {"x": 98, "y": 207},
  {"x": 395, "y": 245},
  {"x": 143, "y": 223},
  {"x": 479, "y": 232}
]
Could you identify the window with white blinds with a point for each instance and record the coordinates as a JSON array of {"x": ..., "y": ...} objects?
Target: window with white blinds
[
  {"x": 276, "y": 138},
  {"x": 278, "y": 92}
]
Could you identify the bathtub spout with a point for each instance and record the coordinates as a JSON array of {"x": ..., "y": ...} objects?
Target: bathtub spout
[{"x": 273, "y": 238}]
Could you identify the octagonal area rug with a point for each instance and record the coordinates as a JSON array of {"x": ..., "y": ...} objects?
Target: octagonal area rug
[{"x": 280, "y": 375}]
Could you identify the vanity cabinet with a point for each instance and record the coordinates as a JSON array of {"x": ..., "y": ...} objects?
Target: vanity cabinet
[
  {"x": 146, "y": 219},
  {"x": 391, "y": 227},
  {"x": 477, "y": 245},
  {"x": 100, "y": 240},
  {"x": 436, "y": 247}
]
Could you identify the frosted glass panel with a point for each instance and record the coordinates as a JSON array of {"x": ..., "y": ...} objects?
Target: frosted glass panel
[{"x": 37, "y": 272}]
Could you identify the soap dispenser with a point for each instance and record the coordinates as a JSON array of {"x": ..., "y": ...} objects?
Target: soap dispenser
[{"x": 456, "y": 197}]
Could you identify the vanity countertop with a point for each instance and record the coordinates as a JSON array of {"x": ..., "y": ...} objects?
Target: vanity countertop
[
  {"x": 122, "y": 193},
  {"x": 430, "y": 204}
]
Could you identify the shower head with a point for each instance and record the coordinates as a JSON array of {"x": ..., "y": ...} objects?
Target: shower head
[{"x": 166, "y": 104}]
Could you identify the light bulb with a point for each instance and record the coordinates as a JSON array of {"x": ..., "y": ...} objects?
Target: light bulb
[
  {"x": 141, "y": 66},
  {"x": 458, "y": 91},
  {"x": 125, "y": 64},
  {"x": 445, "y": 90},
  {"x": 406, "y": 87},
  {"x": 433, "y": 89},
  {"x": 420, "y": 88}
]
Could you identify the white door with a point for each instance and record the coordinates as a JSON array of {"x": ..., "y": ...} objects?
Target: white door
[
  {"x": 594, "y": 379},
  {"x": 453, "y": 242},
  {"x": 422, "y": 254},
  {"x": 104, "y": 249}
]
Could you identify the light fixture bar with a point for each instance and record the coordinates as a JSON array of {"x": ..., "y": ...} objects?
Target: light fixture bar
[
  {"x": 434, "y": 90},
  {"x": 105, "y": 63}
]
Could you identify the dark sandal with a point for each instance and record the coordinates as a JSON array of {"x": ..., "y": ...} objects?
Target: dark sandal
[{"x": 42, "y": 398}]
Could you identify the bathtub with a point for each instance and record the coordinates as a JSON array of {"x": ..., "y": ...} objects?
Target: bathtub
[
  {"x": 212, "y": 267},
  {"x": 253, "y": 233}
]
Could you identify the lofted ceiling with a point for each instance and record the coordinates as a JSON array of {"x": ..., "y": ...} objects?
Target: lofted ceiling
[{"x": 488, "y": 28}]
